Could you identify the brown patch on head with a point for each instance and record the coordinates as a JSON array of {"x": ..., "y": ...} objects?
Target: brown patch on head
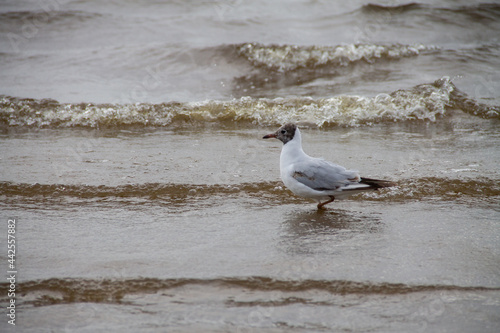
[{"x": 286, "y": 132}]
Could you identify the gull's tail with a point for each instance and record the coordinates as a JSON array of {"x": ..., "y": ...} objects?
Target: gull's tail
[{"x": 377, "y": 183}]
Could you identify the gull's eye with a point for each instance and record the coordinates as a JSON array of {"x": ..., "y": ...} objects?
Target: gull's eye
[{"x": 283, "y": 131}]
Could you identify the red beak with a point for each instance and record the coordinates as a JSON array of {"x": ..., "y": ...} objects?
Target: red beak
[{"x": 269, "y": 136}]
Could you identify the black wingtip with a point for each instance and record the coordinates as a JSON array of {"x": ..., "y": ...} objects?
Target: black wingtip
[{"x": 377, "y": 183}]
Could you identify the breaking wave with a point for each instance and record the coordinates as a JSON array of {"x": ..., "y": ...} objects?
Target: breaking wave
[
  {"x": 425, "y": 102},
  {"x": 284, "y": 58}
]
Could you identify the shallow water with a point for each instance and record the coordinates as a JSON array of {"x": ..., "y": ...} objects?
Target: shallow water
[
  {"x": 131, "y": 157},
  {"x": 112, "y": 229}
]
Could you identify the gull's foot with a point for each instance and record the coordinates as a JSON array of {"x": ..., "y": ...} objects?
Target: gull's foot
[{"x": 322, "y": 204}]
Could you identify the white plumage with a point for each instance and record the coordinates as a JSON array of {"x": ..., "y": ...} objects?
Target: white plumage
[{"x": 316, "y": 178}]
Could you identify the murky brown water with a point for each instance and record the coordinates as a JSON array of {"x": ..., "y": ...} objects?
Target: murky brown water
[
  {"x": 145, "y": 200},
  {"x": 192, "y": 230}
]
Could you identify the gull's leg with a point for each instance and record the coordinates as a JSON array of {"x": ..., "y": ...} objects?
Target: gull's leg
[{"x": 320, "y": 205}]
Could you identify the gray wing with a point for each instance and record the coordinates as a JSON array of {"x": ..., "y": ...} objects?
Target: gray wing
[{"x": 322, "y": 175}]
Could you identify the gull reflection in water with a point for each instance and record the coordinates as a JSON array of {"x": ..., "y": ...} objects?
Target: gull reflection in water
[{"x": 307, "y": 231}]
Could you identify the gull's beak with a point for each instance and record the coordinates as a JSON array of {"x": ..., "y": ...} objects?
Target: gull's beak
[{"x": 269, "y": 136}]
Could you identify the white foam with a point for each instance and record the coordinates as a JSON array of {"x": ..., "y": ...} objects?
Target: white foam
[
  {"x": 427, "y": 102},
  {"x": 290, "y": 57}
]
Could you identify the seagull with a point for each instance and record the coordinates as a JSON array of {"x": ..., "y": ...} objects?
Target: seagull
[{"x": 316, "y": 178}]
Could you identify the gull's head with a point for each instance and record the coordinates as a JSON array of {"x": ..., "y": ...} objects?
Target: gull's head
[{"x": 285, "y": 133}]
